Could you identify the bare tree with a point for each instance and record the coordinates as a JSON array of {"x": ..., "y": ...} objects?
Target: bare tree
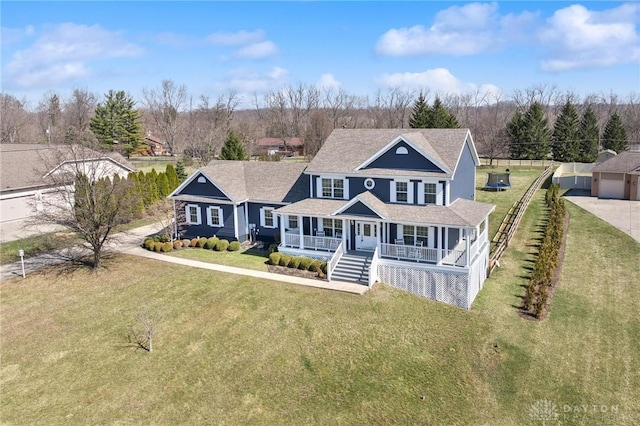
[
  {"x": 49, "y": 112},
  {"x": 77, "y": 113},
  {"x": 391, "y": 108},
  {"x": 90, "y": 199},
  {"x": 148, "y": 320},
  {"x": 14, "y": 120},
  {"x": 165, "y": 105}
]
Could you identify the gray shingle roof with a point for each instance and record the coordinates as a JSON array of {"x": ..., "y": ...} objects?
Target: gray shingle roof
[
  {"x": 346, "y": 149},
  {"x": 625, "y": 162},
  {"x": 461, "y": 213},
  {"x": 25, "y": 165},
  {"x": 259, "y": 180}
]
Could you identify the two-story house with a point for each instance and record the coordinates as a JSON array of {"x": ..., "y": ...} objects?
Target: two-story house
[{"x": 389, "y": 205}]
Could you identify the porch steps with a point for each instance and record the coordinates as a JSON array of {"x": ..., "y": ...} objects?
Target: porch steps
[{"x": 353, "y": 267}]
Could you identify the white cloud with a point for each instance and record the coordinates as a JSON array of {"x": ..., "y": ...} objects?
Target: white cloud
[
  {"x": 239, "y": 38},
  {"x": 328, "y": 81},
  {"x": 575, "y": 37},
  {"x": 262, "y": 50},
  {"x": 437, "y": 80},
  {"x": 14, "y": 35},
  {"x": 62, "y": 54},
  {"x": 248, "y": 82},
  {"x": 172, "y": 39},
  {"x": 458, "y": 30}
]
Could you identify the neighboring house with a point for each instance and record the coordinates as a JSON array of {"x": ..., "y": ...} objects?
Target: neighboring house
[
  {"x": 282, "y": 146},
  {"x": 155, "y": 146},
  {"x": 389, "y": 205},
  {"x": 618, "y": 177},
  {"x": 24, "y": 186}
]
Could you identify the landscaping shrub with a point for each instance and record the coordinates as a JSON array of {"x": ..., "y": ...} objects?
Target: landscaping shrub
[
  {"x": 201, "y": 242},
  {"x": 186, "y": 243},
  {"x": 294, "y": 262},
  {"x": 211, "y": 243},
  {"x": 316, "y": 264},
  {"x": 318, "y": 271},
  {"x": 274, "y": 258},
  {"x": 234, "y": 246},
  {"x": 221, "y": 245},
  {"x": 166, "y": 247},
  {"x": 148, "y": 243},
  {"x": 284, "y": 260},
  {"x": 272, "y": 248},
  {"x": 177, "y": 244},
  {"x": 157, "y": 246},
  {"x": 305, "y": 263},
  {"x": 194, "y": 242}
]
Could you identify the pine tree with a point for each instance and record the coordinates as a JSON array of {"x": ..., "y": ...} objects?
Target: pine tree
[
  {"x": 180, "y": 171},
  {"x": 564, "y": 140},
  {"x": 588, "y": 135},
  {"x": 116, "y": 122},
  {"x": 163, "y": 185},
  {"x": 233, "y": 149},
  {"x": 440, "y": 118},
  {"x": 420, "y": 115},
  {"x": 529, "y": 134},
  {"x": 614, "y": 136}
]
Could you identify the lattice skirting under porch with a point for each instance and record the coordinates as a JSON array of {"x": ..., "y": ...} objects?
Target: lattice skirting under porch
[{"x": 446, "y": 287}]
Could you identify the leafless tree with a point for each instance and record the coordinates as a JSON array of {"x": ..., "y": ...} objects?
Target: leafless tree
[
  {"x": 391, "y": 108},
  {"x": 49, "y": 112},
  {"x": 77, "y": 112},
  {"x": 15, "y": 119},
  {"x": 90, "y": 198},
  {"x": 147, "y": 322},
  {"x": 165, "y": 104},
  {"x": 317, "y": 132}
]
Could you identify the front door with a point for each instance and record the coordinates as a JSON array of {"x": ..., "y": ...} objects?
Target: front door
[{"x": 366, "y": 236}]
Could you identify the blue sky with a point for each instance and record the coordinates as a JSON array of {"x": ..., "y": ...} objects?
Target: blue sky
[{"x": 255, "y": 47}]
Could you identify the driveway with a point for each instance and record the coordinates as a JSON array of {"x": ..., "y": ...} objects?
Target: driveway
[{"x": 623, "y": 214}]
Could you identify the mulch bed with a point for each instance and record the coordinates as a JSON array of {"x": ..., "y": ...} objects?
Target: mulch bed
[{"x": 293, "y": 272}]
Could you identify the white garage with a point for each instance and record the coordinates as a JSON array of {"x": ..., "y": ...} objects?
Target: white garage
[
  {"x": 16, "y": 208},
  {"x": 611, "y": 186}
]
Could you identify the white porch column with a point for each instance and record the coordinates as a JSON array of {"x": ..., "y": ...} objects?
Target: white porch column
[
  {"x": 345, "y": 224},
  {"x": 235, "y": 222},
  {"x": 445, "y": 245},
  {"x": 282, "y": 238},
  {"x": 301, "y": 231},
  {"x": 379, "y": 233},
  {"x": 468, "y": 245}
]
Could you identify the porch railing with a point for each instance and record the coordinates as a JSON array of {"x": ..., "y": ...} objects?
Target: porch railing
[
  {"x": 311, "y": 242},
  {"x": 333, "y": 262},
  {"x": 454, "y": 257},
  {"x": 373, "y": 268}
]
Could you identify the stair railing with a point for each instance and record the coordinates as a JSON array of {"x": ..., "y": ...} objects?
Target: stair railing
[
  {"x": 373, "y": 267},
  {"x": 333, "y": 262}
]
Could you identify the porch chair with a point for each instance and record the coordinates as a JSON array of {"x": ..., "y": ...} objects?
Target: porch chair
[
  {"x": 401, "y": 250},
  {"x": 417, "y": 252}
]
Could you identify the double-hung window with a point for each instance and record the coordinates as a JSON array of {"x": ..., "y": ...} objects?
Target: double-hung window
[
  {"x": 402, "y": 191},
  {"x": 292, "y": 222},
  {"x": 267, "y": 218},
  {"x": 192, "y": 214},
  {"x": 332, "y": 227},
  {"x": 332, "y": 188},
  {"x": 413, "y": 234},
  {"x": 430, "y": 193},
  {"x": 214, "y": 216}
]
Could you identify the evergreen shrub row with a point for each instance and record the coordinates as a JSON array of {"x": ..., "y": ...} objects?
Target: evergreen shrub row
[
  {"x": 299, "y": 262},
  {"x": 163, "y": 244}
]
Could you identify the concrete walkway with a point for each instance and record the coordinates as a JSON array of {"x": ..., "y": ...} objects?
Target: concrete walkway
[
  {"x": 623, "y": 214},
  {"x": 129, "y": 243}
]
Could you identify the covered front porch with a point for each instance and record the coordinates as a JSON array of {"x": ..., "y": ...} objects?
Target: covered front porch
[{"x": 406, "y": 242}]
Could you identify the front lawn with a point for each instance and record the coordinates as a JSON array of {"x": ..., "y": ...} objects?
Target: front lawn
[
  {"x": 237, "y": 350},
  {"x": 249, "y": 259}
]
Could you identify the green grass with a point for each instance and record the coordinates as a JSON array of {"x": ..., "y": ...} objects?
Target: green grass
[
  {"x": 35, "y": 245},
  {"x": 237, "y": 350},
  {"x": 250, "y": 259}
]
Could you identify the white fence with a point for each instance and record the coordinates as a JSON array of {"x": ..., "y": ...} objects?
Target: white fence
[{"x": 573, "y": 175}]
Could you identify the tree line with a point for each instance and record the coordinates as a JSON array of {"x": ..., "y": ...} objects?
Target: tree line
[{"x": 531, "y": 123}]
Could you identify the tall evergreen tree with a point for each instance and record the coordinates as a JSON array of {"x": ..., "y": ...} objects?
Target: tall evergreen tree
[
  {"x": 529, "y": 134},
  {"x": 233, "y": 148},
  {"x": 117, "y": 122},
  {"x": 420, "y": 114},
  {"x": 180, "y": 171},
  {"x": 162, "y": 183},
  {"x": 440, "y": 118},
  {"x": 564, "y": 140},
  {"x": 172, "y": 177},
  {"x": 588, "y": 135},
  {"x": 614, "y": 136}
]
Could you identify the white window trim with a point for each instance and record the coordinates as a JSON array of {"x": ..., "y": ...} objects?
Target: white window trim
[
  {"x": 263, "y": 219},
  {"x": 289, "y": 217},
  {"x": 345, "y": 186},
  {"x": 220, "y": 217},
  {"x": 393, "y": 191},
  {"x": 187, "y": 212},
  {"x": 439, "y": 193}
]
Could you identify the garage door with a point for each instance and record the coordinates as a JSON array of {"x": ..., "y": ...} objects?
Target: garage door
[
  {"x": 15, "y": 208},
  {"x": 611, "y": 186}
]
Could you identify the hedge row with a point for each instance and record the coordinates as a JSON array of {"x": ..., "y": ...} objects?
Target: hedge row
[
  {"x": 299, "y": 262},
  {"x": 541, "y": 282},
  {"x": 162, "y": 244}
]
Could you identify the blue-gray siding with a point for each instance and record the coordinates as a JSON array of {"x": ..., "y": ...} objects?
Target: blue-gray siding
[
  {"x": 263, "y": 234},
  {"x": 464, "y": 183},
  {"x": 413, "y": 160},
  {"x": 359, "y": 209},
  {"x": 242, "y": 224},
  {"x": 204, "y": 230}
]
